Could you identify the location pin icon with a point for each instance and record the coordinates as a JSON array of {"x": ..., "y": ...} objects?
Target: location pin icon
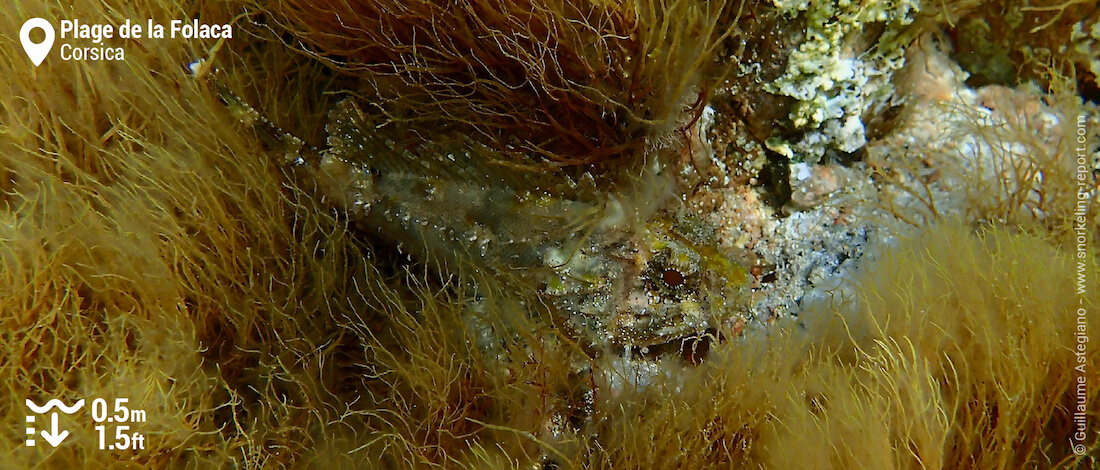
[{"x": 37, "y": 52}]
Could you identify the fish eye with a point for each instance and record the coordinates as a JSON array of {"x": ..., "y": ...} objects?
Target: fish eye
[
  {"x": 672, "y": 278},
  {"x": 672, "y": 274}
]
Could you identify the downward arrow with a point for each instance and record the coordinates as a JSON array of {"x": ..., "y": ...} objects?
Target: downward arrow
[{"x": 54, "y": 438}]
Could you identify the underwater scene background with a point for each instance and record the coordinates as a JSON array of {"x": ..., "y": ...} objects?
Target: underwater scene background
[{"x": 557, "y": 234}]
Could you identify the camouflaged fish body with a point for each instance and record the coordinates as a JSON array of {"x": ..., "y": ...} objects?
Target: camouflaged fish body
[
  {"x": 451, "y": 213},
  {"x": 619, "y": 272}
]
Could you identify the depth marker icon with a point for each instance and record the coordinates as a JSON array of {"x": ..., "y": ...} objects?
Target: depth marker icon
[{"x": 53, "y": 436}]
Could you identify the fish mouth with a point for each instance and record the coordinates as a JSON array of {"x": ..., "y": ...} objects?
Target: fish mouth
[{"x": 655, "y": 321}]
